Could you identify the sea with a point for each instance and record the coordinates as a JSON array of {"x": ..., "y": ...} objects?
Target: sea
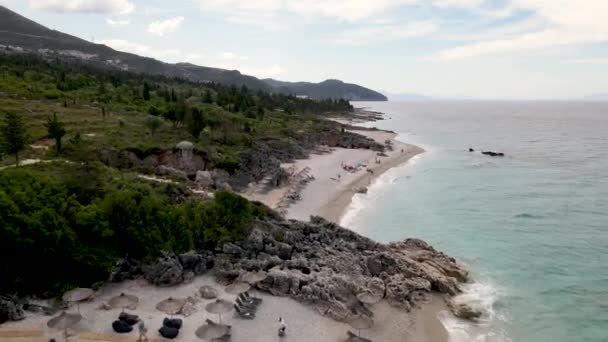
[{"x": 531, "y": 226}]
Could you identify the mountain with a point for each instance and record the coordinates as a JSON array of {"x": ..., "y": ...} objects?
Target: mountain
[
  {"x": 18, "y": 32},
  {"x": 327, "y": 89},
  {"x": 406, "y": 97}
]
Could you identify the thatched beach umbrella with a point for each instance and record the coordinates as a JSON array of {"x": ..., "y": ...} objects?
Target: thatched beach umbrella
[
  {"x": 254, "y": 277},
  {"x": 78, "y": 295},
  {"x": 171, "y": 305},
  {"x": 123, "y": 301},
  {"x": 211, "y": 331},
  {"x": 361, "y": 322},
  {"x": 368, "y": 298},
  {"x": 219, "y": 307},
  {"x": 238, "y": 287},
  {"x": 64, "y": 322}
]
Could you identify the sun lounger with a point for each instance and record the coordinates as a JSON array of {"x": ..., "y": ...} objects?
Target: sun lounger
[
  {"x": 243, "y": 313},
  {"x": 168, "y": 332},
  {"x": 352, "y": 337},
  {"x": 246, "y": 305},
  {"x": 251, "y": 298},
  {"x": 121, "y": 327},
  {"x": 129, "y": 319},
  {"x": 173, "y": 323}
]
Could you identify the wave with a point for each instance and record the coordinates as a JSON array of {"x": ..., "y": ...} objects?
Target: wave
[
  {"x": 528, "y": 216},
  {"x": 482, "y": 296}
]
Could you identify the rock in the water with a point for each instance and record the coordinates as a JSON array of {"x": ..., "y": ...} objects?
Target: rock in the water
[
  {"x": 464, "y": 311},
  {"x": 10, "y": 311},
  {"x": 165, "y": 271}
]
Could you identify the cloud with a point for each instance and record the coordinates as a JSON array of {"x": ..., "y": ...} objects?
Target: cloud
[
  {"x": 118, "y": 23},
  {"x": 141, "y": 49},
  {"x": 165, "y": 26},
  {"x": 343, "y": 10},
  {"x": 195, "y": 56},
  {"x": 567, "y": 23},
  {"x": 587, "y": 61},
  {"x": 377, "y": 34},
  {"x": 92, "y": 6},
  {"x": 231, "y": 56}
]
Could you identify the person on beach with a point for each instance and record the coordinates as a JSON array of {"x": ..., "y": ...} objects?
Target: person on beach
[
  {"x": 143, "y": 331},
  {"x": 282, "y": 326}
]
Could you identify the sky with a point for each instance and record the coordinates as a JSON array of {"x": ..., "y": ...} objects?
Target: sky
[{"x": 489, "y": 49}]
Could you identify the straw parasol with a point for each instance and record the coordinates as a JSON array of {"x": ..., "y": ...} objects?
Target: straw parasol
[
  {"x": 254, "y": 277},
  {"x": 361, "y": 323},
  {"x": 78, "y": 295},
  {"x": 123, "y": 301},
  {"x": 368, "y": 298},
  {"x": 171, "y": 305},
  {"x": 64, "y": 322},
  {"x": 238, "y": 287},
  {"x": 219, "y": 307},
  {"x": 211, "y": 331}
]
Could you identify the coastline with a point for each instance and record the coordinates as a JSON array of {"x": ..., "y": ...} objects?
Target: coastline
[{"x": 330, "y": 197}]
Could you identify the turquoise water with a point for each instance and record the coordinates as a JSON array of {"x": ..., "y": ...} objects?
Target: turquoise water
[{"x": 533, "y": 226}]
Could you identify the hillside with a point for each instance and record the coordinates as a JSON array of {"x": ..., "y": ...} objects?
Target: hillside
[
  {"x": 327, "y": 89},
  {"x": 20, "y": 32}
]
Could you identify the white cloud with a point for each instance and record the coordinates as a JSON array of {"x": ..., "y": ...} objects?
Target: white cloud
[
  {"x": 567, "y": 23},
  {"x": 195, "y": 56},
  {"x": 165, "y": 26},
  {"x": 141, "y": 49},
  {"x": 231, "y": 56},
  {"x": 118, "y": 23},
  {"x": 375, "y": 34},
  {"x": 343, "y": 10},
  {"x": 587, "y": 61},
  {"x": 93, "y": 6}
]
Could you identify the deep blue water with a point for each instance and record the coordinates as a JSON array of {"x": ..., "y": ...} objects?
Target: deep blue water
[{"x": 533, "y": 226}]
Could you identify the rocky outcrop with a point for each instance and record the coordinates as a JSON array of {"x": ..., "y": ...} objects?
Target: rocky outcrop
[
  {"x": 464, "y": 311},
  {"x": 166, "y": 271},
  {"x": 10, "y": 311},
  {"x": 322, "y": 264}
]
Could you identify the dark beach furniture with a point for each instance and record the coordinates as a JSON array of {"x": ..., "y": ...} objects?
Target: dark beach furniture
[
  {"x": 243, "y": 313},
  {"x": 173, "y": 323},
  {"x": 129, "y": 319},
  {"x": 121, "y": 327},
  {"x": 352, "y": 337},
  {"x": 168, "y": 332},
  {"x": 248, "y": 306},
  {"x": 251, "y": 298}
]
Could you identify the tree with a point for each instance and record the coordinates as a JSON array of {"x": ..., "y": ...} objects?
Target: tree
[
  {"x": 196, "y": 122},
  {"x": 13, "y": 134},
  {"x": 146, "y": 92},
  {"x": 56, "y": 130},
  {"x": 153, "y": 123},
  {"x": 207, "y": 97}
]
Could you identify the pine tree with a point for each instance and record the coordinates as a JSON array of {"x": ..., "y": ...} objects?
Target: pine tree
[
  {"x": 56, "y": 130},
  {"x": 13, "y": 134},
  {"x": 146, "y": 92}
]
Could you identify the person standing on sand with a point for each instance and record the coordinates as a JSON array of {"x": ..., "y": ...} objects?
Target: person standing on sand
[
  {"x": 282, "y": 326},
  {"x": 141, "y": 326}
]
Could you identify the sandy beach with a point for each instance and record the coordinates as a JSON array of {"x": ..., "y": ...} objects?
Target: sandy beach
[{"x": 304, "y": 324}]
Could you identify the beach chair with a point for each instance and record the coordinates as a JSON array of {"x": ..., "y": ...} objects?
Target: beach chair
[
  {"x": 243, "y": 313},
  {"x": 352, "y": 337},
  {"x": 246, "y": 305},
  {"x": 251, "y": 298}
]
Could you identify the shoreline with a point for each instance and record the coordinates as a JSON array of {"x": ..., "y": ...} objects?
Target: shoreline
[{"x": 330, "y": 199}]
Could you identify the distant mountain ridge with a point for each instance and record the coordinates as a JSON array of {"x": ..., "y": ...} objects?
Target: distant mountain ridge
[
  {"x": 20, "y": 32},
  {"x": 330, "y": 88}
]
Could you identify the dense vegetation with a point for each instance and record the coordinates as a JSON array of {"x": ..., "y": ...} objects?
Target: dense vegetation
[
  {"x": 66, "y": 222},
  {"x": 120, "y": 110},
  {"x": 66, "y": 225}
]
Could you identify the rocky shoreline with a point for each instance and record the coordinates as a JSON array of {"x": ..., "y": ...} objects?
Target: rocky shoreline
[{"x": 317, "y": 263}]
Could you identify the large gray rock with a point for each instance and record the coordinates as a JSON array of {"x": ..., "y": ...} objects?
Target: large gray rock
[
  {"x": 327, "y": 266},
  {"x": 204, "y": 179},
  {"x": 165, "y": 271},
  {"x": 10, "y": 311},
  {"x": 195, "y": 262}
]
